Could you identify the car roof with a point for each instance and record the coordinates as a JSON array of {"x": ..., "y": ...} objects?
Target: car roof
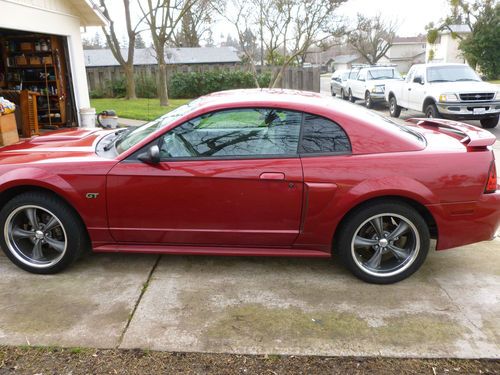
[{"x": 361, "y": 124}]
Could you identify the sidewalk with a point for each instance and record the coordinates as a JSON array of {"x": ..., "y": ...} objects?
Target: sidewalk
[{"x": 130, "y": 122}]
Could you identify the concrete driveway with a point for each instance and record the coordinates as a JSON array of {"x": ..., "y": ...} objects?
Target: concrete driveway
[{"x": 450, "y": 308}]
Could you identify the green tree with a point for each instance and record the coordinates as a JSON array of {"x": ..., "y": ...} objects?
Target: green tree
[{"x": 480, "y": 46}]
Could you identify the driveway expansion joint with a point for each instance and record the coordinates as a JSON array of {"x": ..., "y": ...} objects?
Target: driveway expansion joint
[{"x": 139, "y": 299}]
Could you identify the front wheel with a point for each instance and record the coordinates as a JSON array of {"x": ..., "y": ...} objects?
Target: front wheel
[
  {"x": 41, "y": 233},
  {"x": 351, "y": 98},
  {"x": 432, "y": 112},
  {"x": 394, "y": 108},
  {"x": 342, "y": 94},
  {"x": 368, "y": 100},
  {"x": 489, "y": 123},
  {"x": 333, "y": 92},
  {"x": 383, "y": 243}
]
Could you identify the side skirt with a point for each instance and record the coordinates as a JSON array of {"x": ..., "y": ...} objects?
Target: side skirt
[{"x": 210, "y": 250}]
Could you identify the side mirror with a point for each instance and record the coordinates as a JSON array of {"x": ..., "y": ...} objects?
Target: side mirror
[
  {"x": 418, "y": 79},
  {"x": 152, "y": 156}
]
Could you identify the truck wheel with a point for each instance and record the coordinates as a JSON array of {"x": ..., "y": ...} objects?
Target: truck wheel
[
  {"x": 394, "y": 108},
  {"x": 489, "y": 123},
  {"x": 432, "y": 112},
  {"x": 351, "y": 98},
  {"x": 368, "y": 100}
]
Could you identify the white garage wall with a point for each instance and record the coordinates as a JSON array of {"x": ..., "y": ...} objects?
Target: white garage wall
[{"x": 51, "y": 17}]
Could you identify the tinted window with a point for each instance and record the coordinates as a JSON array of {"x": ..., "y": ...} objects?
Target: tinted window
[
  {"x": 239, "y": 132},
  {"x": 320, "y": 135}
]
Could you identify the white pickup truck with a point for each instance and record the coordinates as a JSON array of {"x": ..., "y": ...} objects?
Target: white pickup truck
[
  {"x": 452, "y": 91},
  {"x": 369, "y": 82}
]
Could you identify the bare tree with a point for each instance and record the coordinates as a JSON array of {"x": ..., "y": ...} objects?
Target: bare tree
[
  {"x": 114, "y": 44},
  {"x": 163, "y": 18},
  {"x": 287, "y": 28},
  {"x": 372, "y": 37},
  {"x": 196, "y": 22}
]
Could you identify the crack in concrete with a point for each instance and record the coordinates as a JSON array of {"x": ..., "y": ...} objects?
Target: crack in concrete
[
  {"x": 139, "y": 299},
  {"x": 462, "y": 312}
]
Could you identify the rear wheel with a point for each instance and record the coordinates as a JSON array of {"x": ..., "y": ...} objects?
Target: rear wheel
[
  {"x": 368, "y": 100},
  {"x": 432, "y": 112},
  {"x": 351, "y": 98},
  {"x": 394, "y": 108},
  {"x": 383, "y": 243},
  {"x": 41, "y": 233},
  {"x": 489, "y": 123}
]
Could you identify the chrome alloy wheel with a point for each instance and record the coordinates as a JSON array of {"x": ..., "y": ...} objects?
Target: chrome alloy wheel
[
  {"x": 385, "y": 245},
  {"x": 35, "y": 236}
]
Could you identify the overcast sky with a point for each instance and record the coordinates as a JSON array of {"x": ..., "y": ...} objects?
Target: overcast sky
[{"x": 410, "y": 15}]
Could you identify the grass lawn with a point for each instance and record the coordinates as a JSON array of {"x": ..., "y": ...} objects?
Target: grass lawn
[
  {"x": 138, "y": 109},
  {"x": 497, "y": 81}
]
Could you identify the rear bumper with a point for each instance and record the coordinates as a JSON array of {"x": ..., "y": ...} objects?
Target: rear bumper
[
  {"x": 464, "y": 223},
  {"x": 469, "y": 111}
]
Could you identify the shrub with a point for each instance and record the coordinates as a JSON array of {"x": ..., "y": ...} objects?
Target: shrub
[
  {"x": 192, "y": 85},
  {"x": 145, "y": 86},
  {"x": 117, "y": 88}
]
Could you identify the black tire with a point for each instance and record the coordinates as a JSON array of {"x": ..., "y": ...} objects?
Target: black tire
[
  {"x": 342, "y": 94},
  {"x": 65, "y": 241},
  {"x": 431, "y": 111},
  {"x": 368, "y": 100},
  {"x": 394, "y": 108},
  {"x": 489, "y": 123},
  {"x": 361, "y": 257},
  {"x": 351, "y": 98},
  {"x": 331, "y": 90}
]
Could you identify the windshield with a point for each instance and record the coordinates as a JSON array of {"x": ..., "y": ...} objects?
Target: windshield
[
  {"x": 451, "y": 73},
  {"x": 383, "y": 74},
  {"x": 137, "y": 135}
]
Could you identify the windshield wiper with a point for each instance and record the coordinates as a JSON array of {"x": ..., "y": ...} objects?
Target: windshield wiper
[
  {"x": 466, "y": 79},
  {"x": 439, "y": 80},
  {"x": 118, "y": 135}
]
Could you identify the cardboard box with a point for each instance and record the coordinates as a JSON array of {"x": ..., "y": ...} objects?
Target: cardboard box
[{"x": 8, "y": 130}]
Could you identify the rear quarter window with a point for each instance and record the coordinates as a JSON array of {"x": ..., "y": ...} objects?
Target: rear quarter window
[{"x": 320, "y": 135}]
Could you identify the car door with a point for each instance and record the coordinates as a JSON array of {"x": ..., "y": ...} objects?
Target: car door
[
  {"x": 231, "y": 177},
  {"x": 417, "y": 90},
  {"x": 358, "y": 90},
  {"x": 407, "y": 89}
]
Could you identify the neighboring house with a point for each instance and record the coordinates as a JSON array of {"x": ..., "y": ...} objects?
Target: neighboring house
[
  {"x": 345, "y": 61},
  {"x": 25, "y": 27},
  {"x": 405, "y": 51},
  {"x": 174, "y": 56},
  {"x": 445, "y": 49}
]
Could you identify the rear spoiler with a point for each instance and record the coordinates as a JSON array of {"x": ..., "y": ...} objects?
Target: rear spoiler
[{"x": 472, "y": 136}]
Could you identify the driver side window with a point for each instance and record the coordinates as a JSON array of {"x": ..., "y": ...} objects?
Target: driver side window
[{"x": 237, "y": 132}]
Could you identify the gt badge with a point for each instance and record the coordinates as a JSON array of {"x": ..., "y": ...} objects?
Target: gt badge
[{"x": 91, "y": 195}]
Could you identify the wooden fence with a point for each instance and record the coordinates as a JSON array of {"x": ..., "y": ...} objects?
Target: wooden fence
[{"x": 307, "y": 79}]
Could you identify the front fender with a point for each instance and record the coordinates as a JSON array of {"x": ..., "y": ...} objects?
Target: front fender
[{"x": 72, "y": 188}]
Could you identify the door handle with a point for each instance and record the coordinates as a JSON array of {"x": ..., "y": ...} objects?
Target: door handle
[
  {"x": 409, "y": 89},
  {"x": 272, "y": 176}
]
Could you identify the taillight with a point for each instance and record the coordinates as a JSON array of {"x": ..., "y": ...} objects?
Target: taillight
[{"x": 491, "y": 184}]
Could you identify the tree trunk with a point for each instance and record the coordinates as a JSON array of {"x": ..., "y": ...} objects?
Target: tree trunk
[
  {"x": 162, "y": 84},
  {"x": 129, "y": 76}
]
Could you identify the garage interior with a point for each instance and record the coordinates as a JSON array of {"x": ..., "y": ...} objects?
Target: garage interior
[{"x": 35, "y": 75}]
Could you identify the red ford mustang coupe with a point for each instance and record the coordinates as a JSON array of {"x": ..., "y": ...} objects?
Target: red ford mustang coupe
[{"x": 253, "y": 172}]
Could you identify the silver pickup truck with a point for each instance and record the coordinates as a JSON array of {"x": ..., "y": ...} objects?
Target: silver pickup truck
[{"x": 452, "y": 91}]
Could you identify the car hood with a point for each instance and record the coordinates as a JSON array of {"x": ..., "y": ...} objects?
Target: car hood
[
  {"x": 380, "y": 82},
  {"x": 464, "y": 87},
  {"x": 54, "y": 145}
]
